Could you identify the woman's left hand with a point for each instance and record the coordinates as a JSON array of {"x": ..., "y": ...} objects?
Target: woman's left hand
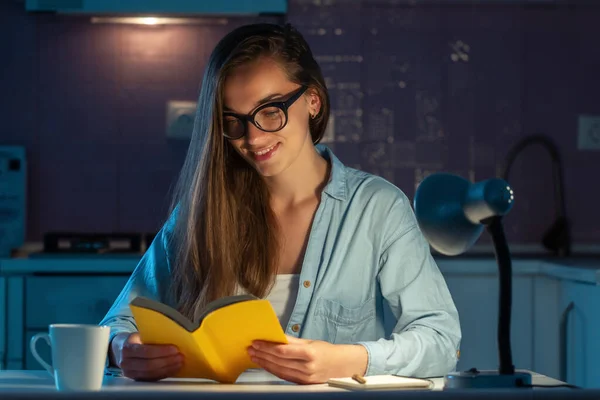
[{"x": 309, "y": 361}]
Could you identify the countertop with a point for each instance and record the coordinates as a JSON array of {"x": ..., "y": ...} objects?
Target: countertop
[
  {"x": 581, "y": 269},
  {"x": 258, "y": 382}
]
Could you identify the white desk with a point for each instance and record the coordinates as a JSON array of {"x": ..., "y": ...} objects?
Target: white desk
[
  {"x": 254, "y": 384},
  {"x": 250, "y": 381}
]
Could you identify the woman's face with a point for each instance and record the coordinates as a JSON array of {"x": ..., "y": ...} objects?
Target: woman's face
[{"x": 246, "y": 89}]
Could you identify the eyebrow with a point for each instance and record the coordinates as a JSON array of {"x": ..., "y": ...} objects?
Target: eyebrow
[{"x": 259, "y": 102}]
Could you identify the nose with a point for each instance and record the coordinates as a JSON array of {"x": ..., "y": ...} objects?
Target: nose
[{"x": 255, "y": 136}]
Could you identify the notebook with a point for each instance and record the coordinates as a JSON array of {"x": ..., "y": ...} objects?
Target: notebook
[{"x": 382, "y": 382}]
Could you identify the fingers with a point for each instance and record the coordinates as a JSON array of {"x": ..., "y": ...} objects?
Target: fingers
[
  {"x": 295, "y": 340},
  {"x": 132, "y": 349},
  {"x": 143, "y": 364},
  {"x": 291, "y": 351},
  {"x": 262, "y": 358},
  {"x": 149, "y": 362},
  {"x": 151, "y": 369},
  {"x": 290, "y": 340}
]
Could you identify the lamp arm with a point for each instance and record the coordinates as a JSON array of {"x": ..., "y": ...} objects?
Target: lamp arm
[{"x": 496, "y": 230}]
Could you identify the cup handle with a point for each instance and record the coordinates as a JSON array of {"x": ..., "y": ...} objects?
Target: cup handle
[{"x": 34, "y": 339}]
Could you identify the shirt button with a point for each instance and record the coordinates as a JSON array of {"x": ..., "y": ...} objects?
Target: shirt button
[
  {"x": 295, "y": 327},
  {"x": 306, "y": 284}
]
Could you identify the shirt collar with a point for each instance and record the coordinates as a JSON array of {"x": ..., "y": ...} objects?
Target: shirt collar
[{"x": 337, "y": 185}]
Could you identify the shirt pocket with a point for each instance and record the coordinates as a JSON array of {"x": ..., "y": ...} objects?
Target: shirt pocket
[{"x": 345, "y": 325}]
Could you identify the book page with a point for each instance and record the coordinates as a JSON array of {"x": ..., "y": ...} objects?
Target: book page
[
  {"x": 169, "y": 312},
  {"x": 222, "y": 302}
]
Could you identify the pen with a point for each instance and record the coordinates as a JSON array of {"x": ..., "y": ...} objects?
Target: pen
[{"x": 359, "y": 379}]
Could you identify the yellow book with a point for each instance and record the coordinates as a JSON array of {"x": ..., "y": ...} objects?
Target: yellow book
[{"x": 215, "y": 346}]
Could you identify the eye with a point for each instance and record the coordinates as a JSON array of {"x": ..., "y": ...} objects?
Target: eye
[
  {"x": 229, "y": 120},
  {"x": 270, "y": 113}
]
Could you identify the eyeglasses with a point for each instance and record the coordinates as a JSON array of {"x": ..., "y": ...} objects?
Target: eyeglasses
[{"x": 269, "y": 117}]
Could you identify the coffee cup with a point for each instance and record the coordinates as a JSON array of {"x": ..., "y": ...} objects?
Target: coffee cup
[{"x": 79, "y": 354}]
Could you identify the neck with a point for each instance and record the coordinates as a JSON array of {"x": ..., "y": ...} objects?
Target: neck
[{"x": 303, "y": 180}]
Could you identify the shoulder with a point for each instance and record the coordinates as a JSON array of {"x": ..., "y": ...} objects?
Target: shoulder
[
  {"x": 383, "y": 207},
  {"x": 369, "y": 188},
  {"x": 355, "y": 186},
  {"x": 169, "y": 224},
  {"x": 165, "y": 237}
]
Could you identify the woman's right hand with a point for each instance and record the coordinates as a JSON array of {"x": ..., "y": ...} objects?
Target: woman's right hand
[{"x": 144, "y": 362}]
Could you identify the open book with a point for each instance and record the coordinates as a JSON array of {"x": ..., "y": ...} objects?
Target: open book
[{"x": 215, "y": 346}]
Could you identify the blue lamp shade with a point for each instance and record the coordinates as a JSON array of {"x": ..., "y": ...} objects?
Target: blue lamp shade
[{"x": 451, "y": 211}]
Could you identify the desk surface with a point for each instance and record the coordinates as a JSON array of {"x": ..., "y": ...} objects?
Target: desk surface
[
  {"x": 250, "y": 381},
  {"x": 252, "y": 384}
]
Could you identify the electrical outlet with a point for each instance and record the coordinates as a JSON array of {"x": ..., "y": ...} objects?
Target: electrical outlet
[
  {"x": 180, "y": 119},
  {"x": 588, "y": 132}
]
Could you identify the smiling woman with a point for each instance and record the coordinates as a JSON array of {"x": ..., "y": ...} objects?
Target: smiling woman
[{"x": 262, "y": 208}]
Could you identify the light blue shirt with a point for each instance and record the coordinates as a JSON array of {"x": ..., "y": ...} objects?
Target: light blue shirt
[{"x": 373, "y": 280}]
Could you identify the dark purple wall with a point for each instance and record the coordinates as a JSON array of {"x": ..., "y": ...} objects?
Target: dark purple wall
[{"x": 89, "y": 102}]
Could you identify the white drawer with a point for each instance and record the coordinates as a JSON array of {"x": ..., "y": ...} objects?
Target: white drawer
[{"x": 69, "y": 299}]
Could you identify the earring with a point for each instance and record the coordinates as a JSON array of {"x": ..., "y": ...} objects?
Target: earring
[{"x": 313, "y": 116}]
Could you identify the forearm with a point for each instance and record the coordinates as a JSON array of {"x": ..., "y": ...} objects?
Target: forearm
[{"x": 420, "y": 351}]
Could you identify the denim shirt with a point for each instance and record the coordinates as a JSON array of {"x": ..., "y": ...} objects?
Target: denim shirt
[{"x": 368, "y": 278}]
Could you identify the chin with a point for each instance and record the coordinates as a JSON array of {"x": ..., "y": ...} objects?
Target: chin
[{"x": 267, "y": 171}]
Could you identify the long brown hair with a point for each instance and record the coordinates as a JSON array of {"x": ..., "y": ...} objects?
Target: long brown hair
[{"x": 225, "y": 233}]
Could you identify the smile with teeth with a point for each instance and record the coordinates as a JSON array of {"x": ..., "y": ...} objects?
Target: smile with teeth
[{"x": 264, "y": 151}]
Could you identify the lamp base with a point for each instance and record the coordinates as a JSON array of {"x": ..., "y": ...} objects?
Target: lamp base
[{"x": 474, "y": 379}]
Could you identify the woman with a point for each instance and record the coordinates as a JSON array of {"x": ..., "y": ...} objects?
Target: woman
[{"x": 261, "y": 209}]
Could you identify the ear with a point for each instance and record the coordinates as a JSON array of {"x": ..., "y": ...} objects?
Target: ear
[{"x": 314, "y": 102}]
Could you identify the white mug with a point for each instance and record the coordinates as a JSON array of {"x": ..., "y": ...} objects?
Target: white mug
[{"x": 79, "y": 354}]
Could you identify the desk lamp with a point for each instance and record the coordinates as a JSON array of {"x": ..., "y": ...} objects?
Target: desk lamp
[{"x": 452, "y": 213}]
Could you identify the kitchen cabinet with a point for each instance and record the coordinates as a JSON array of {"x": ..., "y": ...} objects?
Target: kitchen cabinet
[
  {"x": 546, "y": 325},
  {"x": 37, "y": 293},
  {"x": 69, "y": 299},
  {"x": 554, "y": 327},
  {"x": 38, "y": 301},
  {"x": 65, "y": 299},
  {"x": 2, "y": 323},
  {"x": 579, "y": 333},
  {"x": 476, "y": 298}
]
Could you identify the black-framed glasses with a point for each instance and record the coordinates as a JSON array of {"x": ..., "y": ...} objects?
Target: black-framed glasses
[{"x": 269, "y": 117}]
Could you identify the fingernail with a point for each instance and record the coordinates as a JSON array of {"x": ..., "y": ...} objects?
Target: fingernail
[{"x": 251, "y": 352}]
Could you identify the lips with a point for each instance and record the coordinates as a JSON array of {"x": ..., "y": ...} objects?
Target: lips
[
  {"x": 264, "y": 150},
  {"x": 265, "y": 153}
]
